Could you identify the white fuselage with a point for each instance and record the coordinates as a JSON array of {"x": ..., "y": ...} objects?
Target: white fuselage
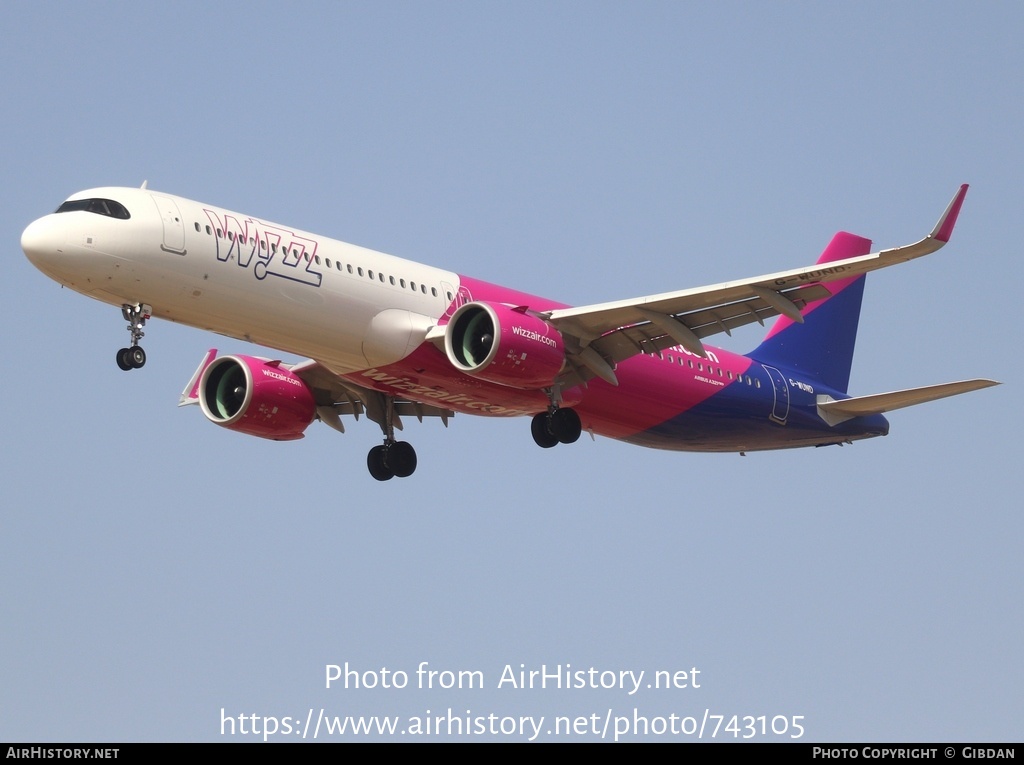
[{"x": 218, "y": 270}]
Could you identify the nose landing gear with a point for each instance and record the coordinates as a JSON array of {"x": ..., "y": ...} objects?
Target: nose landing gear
[{"x": 133, "y": 357}]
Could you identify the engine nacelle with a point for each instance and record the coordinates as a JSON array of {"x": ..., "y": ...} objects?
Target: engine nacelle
[
  {"x": 504, "y": 345},
  {"x": 256, "y": 397}
]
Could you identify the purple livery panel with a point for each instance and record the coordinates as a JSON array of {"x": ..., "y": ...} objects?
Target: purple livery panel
[{"x": 821, "y": 348}]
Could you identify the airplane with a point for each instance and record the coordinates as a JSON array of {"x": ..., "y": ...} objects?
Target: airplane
[{"x": 390, "y": 338}]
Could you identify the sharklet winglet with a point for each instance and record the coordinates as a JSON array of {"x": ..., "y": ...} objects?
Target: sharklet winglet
[
  {"x": 191, "y": 393},
  {"x": 944, "y": 228}
]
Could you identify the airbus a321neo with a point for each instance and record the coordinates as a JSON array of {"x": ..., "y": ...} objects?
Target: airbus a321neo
[{"x": 391, "y": 338}]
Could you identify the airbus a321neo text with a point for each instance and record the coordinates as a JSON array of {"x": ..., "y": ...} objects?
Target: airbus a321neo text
[{"x": 391, "y": 338}]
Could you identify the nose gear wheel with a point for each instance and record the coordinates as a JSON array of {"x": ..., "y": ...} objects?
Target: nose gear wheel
[{"x": 134, "y": 357}]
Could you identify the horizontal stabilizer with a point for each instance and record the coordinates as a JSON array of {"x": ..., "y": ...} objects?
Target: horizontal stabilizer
[{"x": 834, "y": 412}]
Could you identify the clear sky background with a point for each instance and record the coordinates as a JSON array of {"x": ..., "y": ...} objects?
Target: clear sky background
[{"x": 156, "y": 569}]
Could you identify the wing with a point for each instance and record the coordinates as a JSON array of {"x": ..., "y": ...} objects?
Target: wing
[
  {"x": 334, "y": 396},
  {"x": 599, "y": 336}
]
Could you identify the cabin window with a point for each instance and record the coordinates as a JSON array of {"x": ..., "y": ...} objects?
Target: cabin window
[{"x": 199, "y": 230}]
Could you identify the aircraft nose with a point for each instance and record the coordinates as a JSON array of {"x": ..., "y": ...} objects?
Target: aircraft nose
[{"x": 43, "y": 240}]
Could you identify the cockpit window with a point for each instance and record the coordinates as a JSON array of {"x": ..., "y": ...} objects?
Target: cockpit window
[{"x": 107, "y": 207}]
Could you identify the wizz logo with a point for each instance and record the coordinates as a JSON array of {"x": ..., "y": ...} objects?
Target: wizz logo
[{"x": 269, "y": 249}]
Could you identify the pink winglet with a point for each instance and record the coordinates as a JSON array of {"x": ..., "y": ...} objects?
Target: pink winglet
[
  {"x": 944, "y": 228},
  {"x": 191, "y": 393}
]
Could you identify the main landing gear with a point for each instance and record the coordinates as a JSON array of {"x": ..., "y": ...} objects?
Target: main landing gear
[
  {"x": 556, "y": 426},
  {"x": 392, "y": 459},
  {"x": 134, "y": 357}
]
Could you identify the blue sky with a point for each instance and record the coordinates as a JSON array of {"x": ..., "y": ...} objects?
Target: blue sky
[{"x": 155, "y": 569}]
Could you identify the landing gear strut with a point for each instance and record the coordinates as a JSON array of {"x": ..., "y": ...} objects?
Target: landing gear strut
[
  {"x": 556, "y": 426},
  {"x": 133, "y": 357},
  {"x": 392, "y": 459}
]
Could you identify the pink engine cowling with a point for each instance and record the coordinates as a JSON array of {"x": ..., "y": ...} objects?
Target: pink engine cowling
[
  {"x": 504, "y": 345},
  {"x": 256, "y": 397}
]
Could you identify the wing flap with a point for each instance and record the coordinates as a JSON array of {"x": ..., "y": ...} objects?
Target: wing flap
[
  {"x": 711, "y": 321},
  {"x": 336, "y": 397}
]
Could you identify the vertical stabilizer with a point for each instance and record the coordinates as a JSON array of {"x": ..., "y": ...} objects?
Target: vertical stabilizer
[{"x": 822, "y": 346}]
